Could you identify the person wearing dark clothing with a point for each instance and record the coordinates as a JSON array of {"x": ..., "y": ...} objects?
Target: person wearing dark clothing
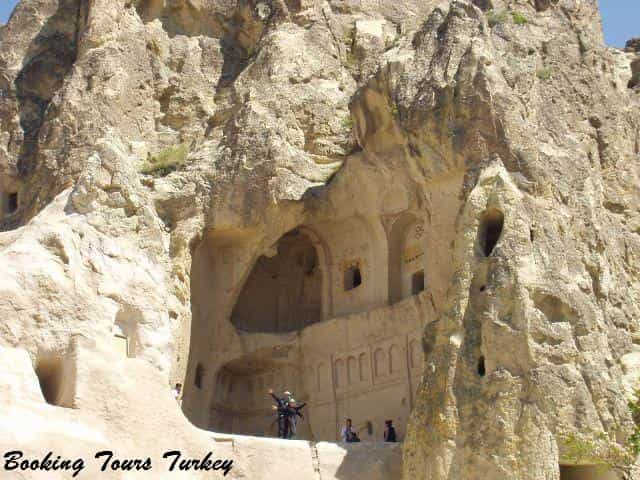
[
  {"x": 389, "y": 432},
  {"x": 282, "y": 407},
  {"x": 293, "y": 412}
]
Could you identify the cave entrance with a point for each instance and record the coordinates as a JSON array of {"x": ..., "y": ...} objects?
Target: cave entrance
[
  {"x": 241, "y": 403},
  {"x": 12, "y": 203},
  {"x": 57, "y": 380},
  {"x": 8, "y": 203},
  {"x": 490, "y": 230},
  {"x": 283, "y": 293},
  {"x": 49, "y": 372},
  {"x": 586, "y": 472}
]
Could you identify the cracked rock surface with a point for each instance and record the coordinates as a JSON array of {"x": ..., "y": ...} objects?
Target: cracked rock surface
[{"x": 271, "y": 114}]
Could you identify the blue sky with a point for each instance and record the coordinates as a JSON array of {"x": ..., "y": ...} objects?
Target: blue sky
[{"x": 621, "y": 18}]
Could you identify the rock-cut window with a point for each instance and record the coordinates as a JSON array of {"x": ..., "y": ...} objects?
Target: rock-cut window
[
  {"x": 352, "y": 278},
  {"x": 8, "y": 203},
  {"x": 417, "y": 282},
  {"x": 12, "y": 202},
  {"x": 490, "y": 230}
]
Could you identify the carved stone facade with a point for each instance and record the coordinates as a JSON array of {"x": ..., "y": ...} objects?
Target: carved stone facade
[
  {"x": 233, "y": 196},
  {"x": 364, "y": 366},
  {"x": 331, "y": 308},
  {"x": 375, "y": 372},
  {"x": 333, "y": 311}
]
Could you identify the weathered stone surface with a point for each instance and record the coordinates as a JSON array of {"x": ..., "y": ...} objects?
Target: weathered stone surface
[
  {"x": 633, "y": 45},
  {"x": 245, "y": 195},
  {"x": 125, "y": 411}
]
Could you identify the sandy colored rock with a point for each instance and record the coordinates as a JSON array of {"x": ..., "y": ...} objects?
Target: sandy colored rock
[{"x": 423, "y": 211}]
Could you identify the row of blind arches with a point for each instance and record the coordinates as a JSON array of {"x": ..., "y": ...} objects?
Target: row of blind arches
[{"x": 355, "y": 370}]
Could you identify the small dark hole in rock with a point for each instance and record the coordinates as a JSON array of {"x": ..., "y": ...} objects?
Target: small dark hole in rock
[
  {"x": 12, "y": 203},
  {"x": 490, "y": 230},
  {"x": 352, "y": 278},
  {"x": 481, "y": 367},
  {"x": 483, "y": 5},
  {"x": 483, "y": 288},
  {"x": 357, "y": 278},
  {"x": 417, "y": 282}
]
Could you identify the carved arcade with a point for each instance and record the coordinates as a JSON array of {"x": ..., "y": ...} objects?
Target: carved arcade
[{"x": 322, "y": 286}]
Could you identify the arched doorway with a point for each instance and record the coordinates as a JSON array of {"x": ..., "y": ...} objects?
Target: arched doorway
[
  {"x": 406, "y": 258},
  {"x": 240, "y": 402},
  {"x": 284, "y": 291}
]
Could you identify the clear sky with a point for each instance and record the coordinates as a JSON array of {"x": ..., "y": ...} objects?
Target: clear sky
[{"x": 621, "y": 18}]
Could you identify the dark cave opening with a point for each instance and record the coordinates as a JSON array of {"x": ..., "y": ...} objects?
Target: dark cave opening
[
  {"x": 490, "y": 230},
  {"x": 481, "y": 367},
  {"x": 352, "y": 278}
]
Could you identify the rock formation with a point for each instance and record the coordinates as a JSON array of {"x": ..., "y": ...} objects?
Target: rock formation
[
  {"x": 633, "y": 45},
  {"x": 423, "y": 209}
]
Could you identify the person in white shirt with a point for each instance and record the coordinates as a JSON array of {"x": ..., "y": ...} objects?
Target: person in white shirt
[
  {"x": 348, "y": 434},
  {"x": 177, "y": 393}
]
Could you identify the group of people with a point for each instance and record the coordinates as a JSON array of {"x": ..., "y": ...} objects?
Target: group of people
[
  {"x": 349, "y": 435},
  {"x": 288, "y": 411}
]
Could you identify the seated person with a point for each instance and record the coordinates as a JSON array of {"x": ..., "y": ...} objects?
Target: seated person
[{"x": 389, "y": 431}]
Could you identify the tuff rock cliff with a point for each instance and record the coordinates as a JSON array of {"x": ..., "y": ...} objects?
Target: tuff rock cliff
[{"x": 131, "y": 132}]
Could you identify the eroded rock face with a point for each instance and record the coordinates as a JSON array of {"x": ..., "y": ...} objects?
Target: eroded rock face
[
  {"x": 633, "y": 45},
  {"x": 526, "y": 346},
  {"x": 480, "y": 155},
  {"x": 111, "y": 415}
]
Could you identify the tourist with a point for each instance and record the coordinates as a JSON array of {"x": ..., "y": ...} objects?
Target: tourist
[
  {"x": 389, "y": 432},
  {"x": 282, "y": 410},
  {"x": 293, "y": 414},
  {"x": 177, "y": 393},
  {"x": 348, "y": 433}
]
